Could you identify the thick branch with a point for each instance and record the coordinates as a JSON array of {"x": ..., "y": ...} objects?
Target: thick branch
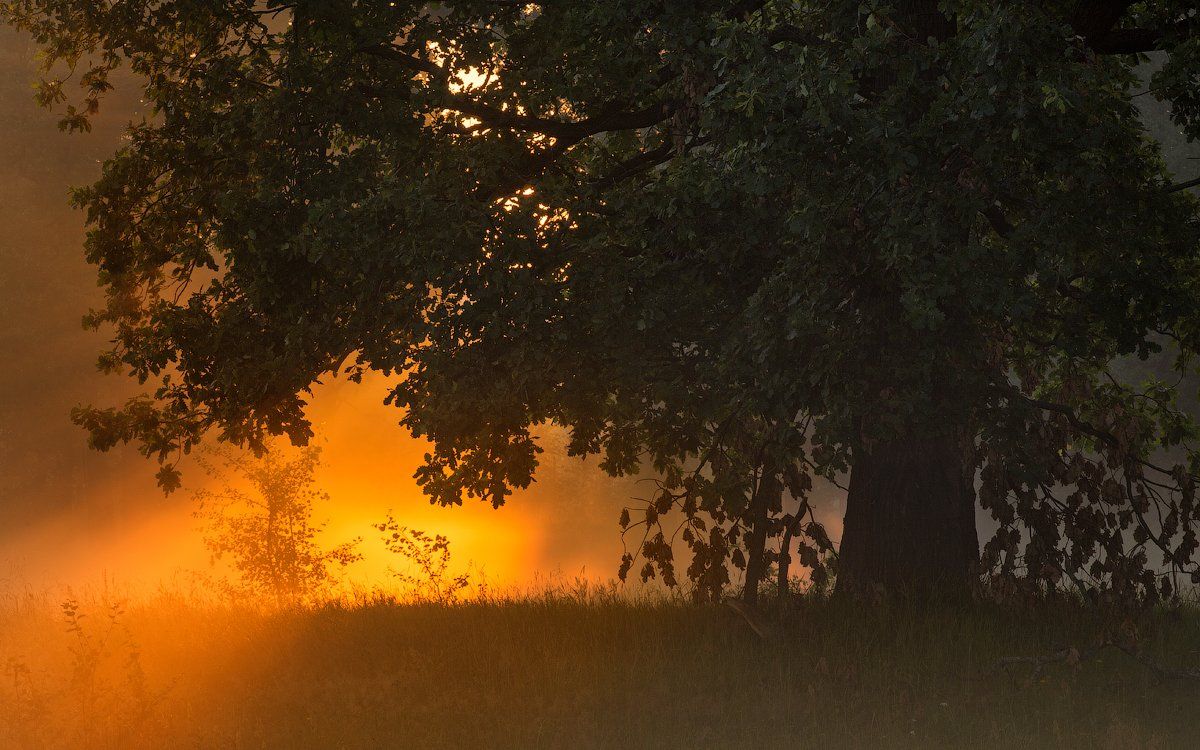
[
  {"x": 1134, "y": 41},
  {"x": 1098, "y": 22},
  {"x": 496, "y": 117},
  {"x": 1126, "y": 41},
  {"x": 636, "y": 165},
  {"x": 999, "y": 221},
  {"x": 744, "y": 8},
  {"x": 1098, "y": 17},
  {"x": 644, "y": 162}
]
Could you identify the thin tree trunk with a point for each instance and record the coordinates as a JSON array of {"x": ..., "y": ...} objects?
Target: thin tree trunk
[
  {"x": 783, "y": 571},
  {"x": 768, "y": 496}
]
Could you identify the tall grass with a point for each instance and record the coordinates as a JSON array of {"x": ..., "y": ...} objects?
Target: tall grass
[{"x": 570, "y": 665}]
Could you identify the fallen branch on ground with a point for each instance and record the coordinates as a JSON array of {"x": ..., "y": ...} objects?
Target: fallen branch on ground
[
  {"x": 1072, "y": 656},
  {"x": 769, "y": 632}
]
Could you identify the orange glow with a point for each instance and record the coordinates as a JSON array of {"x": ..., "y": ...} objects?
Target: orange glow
[
  {"x": 367, "y": 467},
  {"x": 565, "y": 523},
  {"x": 128, "y": 534}
]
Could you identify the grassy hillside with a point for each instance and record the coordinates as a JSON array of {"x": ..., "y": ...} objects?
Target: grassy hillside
[{"x": 581, "y": 670}]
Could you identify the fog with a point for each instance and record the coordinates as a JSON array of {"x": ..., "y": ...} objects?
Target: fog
[{"x": 69, "y": 515}]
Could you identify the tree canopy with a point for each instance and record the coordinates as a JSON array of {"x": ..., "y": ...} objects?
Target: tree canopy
[{"x": 737, "y": 243}]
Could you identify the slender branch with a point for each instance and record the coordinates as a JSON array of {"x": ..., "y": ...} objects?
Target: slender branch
[
  {"x": 1182, "y": 186},
  {"x": 1126, "y": 41},
  {"x": 1067, "y": 412},
  {"x": 789, "y": 33}
]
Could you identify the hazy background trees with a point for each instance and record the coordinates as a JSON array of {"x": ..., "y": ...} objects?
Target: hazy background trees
[{"x": 268, "y": 533}]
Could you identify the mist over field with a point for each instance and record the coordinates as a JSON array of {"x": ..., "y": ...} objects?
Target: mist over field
[
  {"x": 69, "y": 515},
  {"x": 680, "y": 375},
  {"x": 107, "y": 505}
]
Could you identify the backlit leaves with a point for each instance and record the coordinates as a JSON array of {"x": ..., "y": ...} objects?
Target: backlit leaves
[{"x": 715, "y": 247}]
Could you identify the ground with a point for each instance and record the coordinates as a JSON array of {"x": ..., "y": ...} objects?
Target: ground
[{"x": 577, "y": 670}]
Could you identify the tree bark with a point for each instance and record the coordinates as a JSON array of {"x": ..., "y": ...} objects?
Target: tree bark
[
  {"x": 910, "y": 522},
  {"x": 767, "y": 496},
  {"x": 783, "y": 567},
  {"x": 910, "y": 512}
]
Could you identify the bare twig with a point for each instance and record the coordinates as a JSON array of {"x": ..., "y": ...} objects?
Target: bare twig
[{"x": 770, "y": 632}]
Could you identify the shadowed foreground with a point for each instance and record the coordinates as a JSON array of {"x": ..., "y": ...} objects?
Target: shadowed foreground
[{"x": 573, "y": 671}]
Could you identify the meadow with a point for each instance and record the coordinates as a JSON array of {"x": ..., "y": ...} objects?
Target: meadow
[{"x": 579, "y": 667}]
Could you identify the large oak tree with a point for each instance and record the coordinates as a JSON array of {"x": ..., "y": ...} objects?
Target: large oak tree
[{"x": 741, "y": 244}]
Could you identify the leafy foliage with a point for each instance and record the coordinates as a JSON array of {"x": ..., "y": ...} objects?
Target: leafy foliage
[
  {"x": 733, "y": 242},
  {"x": 269, "y": 533},
  {"x": 430, "y": 556}
]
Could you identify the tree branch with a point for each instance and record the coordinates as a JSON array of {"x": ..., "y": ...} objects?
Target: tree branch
[
  {"x": 1182, "y": 186},
  {"x": 642, "y": 162},
  {"x": 1073, "y": 656},
  {"x": 1135, "y": 41},
  {"x": 573, "y": 131},
  {"x": 795, "y": 35},
  {"x": 1096, "y": 17},
  {"x": 1126, "y": 41},
  {"x": 999, "y": 221},
  {"x": 744, "y": 8},
  {"x": 1066, "y": 411},
  {"x": 1098, "y": 21}
]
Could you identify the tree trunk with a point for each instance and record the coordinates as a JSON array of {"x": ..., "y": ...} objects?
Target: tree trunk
[
  {"x": 766, "y": 497},
  {"x": 910, "y": 522},
  {"x": 910, "y": 513},
  {"x": 783, "y": 569}
]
